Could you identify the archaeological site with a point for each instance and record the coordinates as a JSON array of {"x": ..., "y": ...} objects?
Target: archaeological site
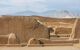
[{"x": 38, "y": 31}]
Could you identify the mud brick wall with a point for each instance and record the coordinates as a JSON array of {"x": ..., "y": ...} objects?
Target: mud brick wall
[
  {"x": 53, "y": 42},
  {"x": 77, "y": 30},
  {"x": 3, "y": 40},
  {"x": 63, "y": 30},
  {"x": 24, "y": 28}
]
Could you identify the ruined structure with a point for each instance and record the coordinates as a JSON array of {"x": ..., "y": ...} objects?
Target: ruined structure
[
  {"x": 22, "y": 29},
  {"x": 26, "y": 31}
]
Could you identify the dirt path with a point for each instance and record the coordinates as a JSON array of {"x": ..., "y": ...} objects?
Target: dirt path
[{"x": 41, "y": 48}]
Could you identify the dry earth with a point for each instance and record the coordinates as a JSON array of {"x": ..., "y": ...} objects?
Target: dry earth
[{"x": 41, "y": 48}]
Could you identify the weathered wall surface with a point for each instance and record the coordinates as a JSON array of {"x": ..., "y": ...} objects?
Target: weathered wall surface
[
  {"x": 65, "y": 20},
  {"x": 3, "y": 40},
  {"x": 24, "y": 28},
  {"x": 63, "y": 30},
  {"x": 27, "y": 27},
  {"x": 77, "y": 30}
]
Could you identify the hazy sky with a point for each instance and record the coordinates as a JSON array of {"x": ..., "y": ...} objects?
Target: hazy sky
[{"x": 12, "y": 6}]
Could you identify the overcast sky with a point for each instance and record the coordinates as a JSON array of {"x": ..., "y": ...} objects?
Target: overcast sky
[{"x": 13, "y": 6}]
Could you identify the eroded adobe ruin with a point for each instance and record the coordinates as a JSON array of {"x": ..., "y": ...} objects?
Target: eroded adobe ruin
[{"x": 18, "y": 31}]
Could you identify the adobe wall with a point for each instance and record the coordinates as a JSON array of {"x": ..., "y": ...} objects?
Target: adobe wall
[
  {"x": 77, "y": 30},
  {"x": 3, "y": 40},
  {"x": 24, "y": 28}
]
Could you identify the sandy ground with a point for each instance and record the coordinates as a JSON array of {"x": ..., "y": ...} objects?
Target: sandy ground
[{"x": 41, "y": 48}]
